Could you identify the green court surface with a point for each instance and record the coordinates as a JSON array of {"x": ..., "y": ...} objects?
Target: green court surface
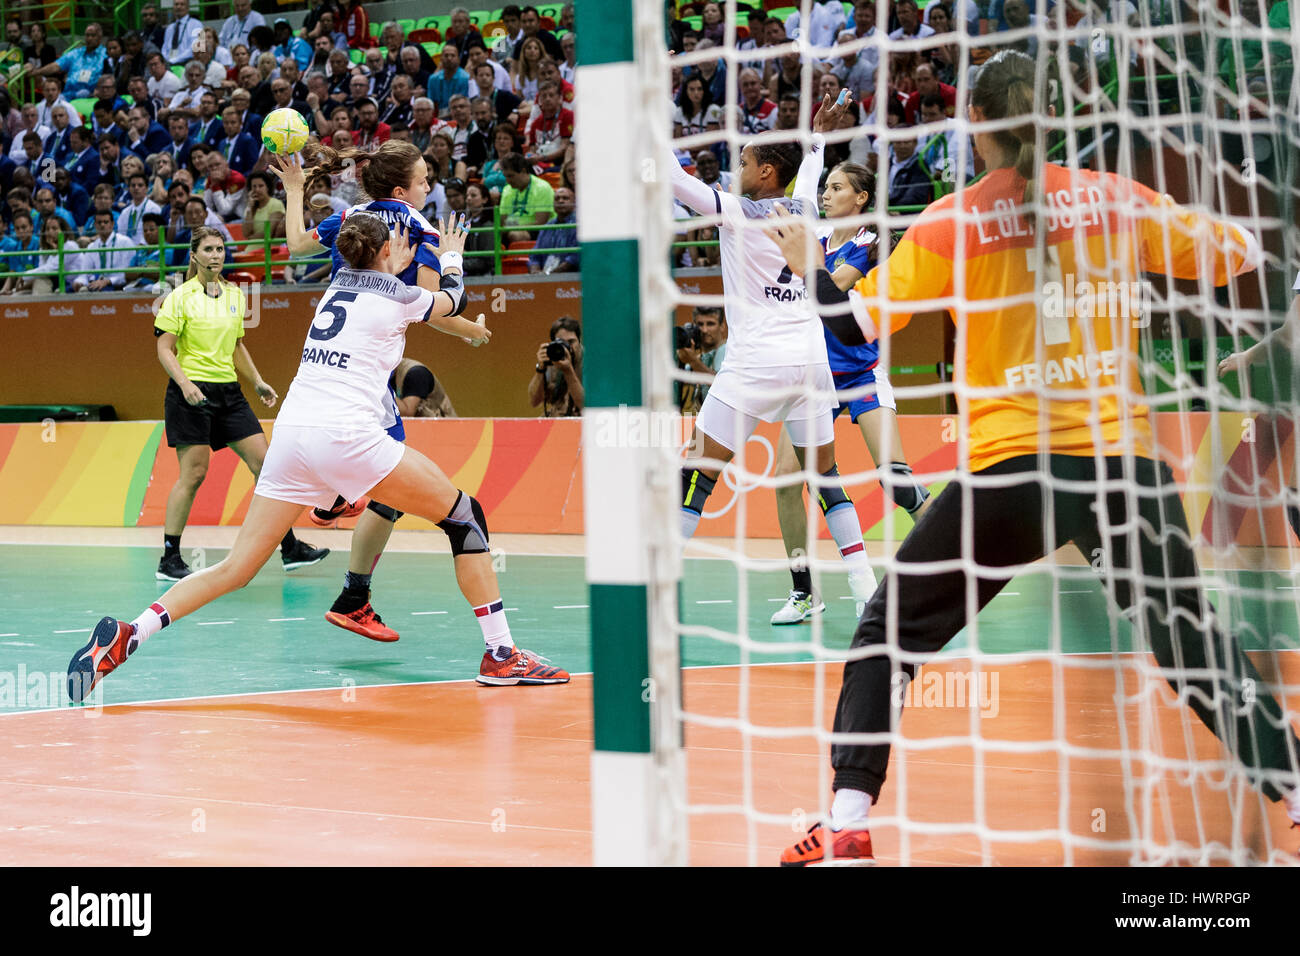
[{"x": 271, "y": 636}]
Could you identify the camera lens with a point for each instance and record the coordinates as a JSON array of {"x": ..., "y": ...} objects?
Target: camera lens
[{"x": 557, "y": 351}]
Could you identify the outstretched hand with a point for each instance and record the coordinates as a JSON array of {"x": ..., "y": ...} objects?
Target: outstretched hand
[
  {"x": 452, "y": 233},
  {"x": 289, "y": 169},
  {"x": 831, "y": 112}
]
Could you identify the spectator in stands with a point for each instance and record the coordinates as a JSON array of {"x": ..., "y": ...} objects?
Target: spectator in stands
[
  {"x": 108, "y": 254},
  {"x": 504, "y": 48},
  {"x": 207, "y": 128},
  {"x": 163, "y": 84},
  {"x": 181, "y": 35},
  {"x": 757, "y": 112},
  {"x": 826, "y": 20},
  {"x": 527, "y": 200},
  {"x": 786, "y": 76},
  {"x": 569, "y": 65},
  {"x": 186, "y": 103},
  {"x": 236, "y": 27},
  {"x": 70, "y": 196},
  {"x": 462, "y": 32},
  {"x": 24, "y": 240},
  {"x": 504, "y": 103},
  {"x": 460, "y": 128},
  {"x": 161, "y": 171},
  {"x": 410, "y": 65},
  {"x": 133, "y": 60},
  {"x": 213, "y": 57},
  {"x": 944, "y": 56},
  {"x": 142, "y": 272},
  {"x": 448, "y": 81},
  {"x": 910, "y": 26},
  {"x": 372, "y": 133},
  {"x": 151, "y": 28},
  {"x": 181, "y": 144},
  {"x": 787, "y": 111},
  {"x": 330, "y": 37},
  {"x": 52, "y": 89},
  {"x": 391, "y": 41},
  {"x": 13, "y": 52},
  {"x": 478, "y": 209},
  {"x": 546, "y": 262},
  {"x": 531, "y": 23},
  {"x": 107, "y": 173},
  {"x": 442, "y": 166},
  {"x": 143, "y": 136},
  {"x": 705, "y": 360},
  {"x": 505, "y": 140},
  {"x": 556, "y": 385},
  {"x": 138, "y": 89},
  {"x": 46, "y": 204},
  {"x": 130, "y": 220},
  {"x": 397, "y": 107},
  {"x": 422, "y": 122},
  {"x": 927, "y": 84},
  {"x": 311, "y": 24},
  {"x": 476, "y": 54},
  {"x": 101, "y": 202},
  {"x": 549, "y": 129},
  {"x": 55, "y": 235},
  {"x": 81, "y": 66},
  {"x": 942, "y": 151},
  {"x": 31, "y": 123},
  {"x": 226, "y": 191},
  {"x": 288, "y": 45},
  {"x": 264, "y": 210},
  {"x": 239, "y": 149},
  {"x": 909, "y": 183},
  {"x": 356, "y": 26},
  {"x": 526, "y": 71},
  {"x": 58, "y": 146}
]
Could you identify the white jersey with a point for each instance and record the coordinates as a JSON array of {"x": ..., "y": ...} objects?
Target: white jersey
[
  {"x": 769, "y": 320},
  {"x": 356, "y": 340}
]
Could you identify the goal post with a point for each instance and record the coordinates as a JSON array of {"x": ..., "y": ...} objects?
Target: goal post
[{"x": 629, "y": 483}]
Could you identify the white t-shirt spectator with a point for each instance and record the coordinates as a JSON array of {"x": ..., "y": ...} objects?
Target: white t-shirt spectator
[
  {"x": 922, "y": 31},
  {"x": 130, "y": 221},
  {"x": 16, "y": 151},
  {"x": 235, "y": 31},
  {"x": 699, "y": 122},
  {"x": 110, "y": 256},
  {"x": 162, "y": 90},
  {"x": 44, "y": 109},
  {"x": 826, "y": 20},
  {"x": 185, "y": 100}
]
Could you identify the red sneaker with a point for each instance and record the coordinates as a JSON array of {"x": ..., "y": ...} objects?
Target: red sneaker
[
  {"x": 848, "y": 848},
  {"x": 328, "y": 518},
  {"x": 521, "y": 667},
  {"x": 363, "y": 621},
  {"x": 110, "y": 643}
]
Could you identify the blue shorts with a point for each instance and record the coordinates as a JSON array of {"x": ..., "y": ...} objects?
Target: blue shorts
[
  {"x": 882, "y": 396},
  {"x": 397, "y": 431}
]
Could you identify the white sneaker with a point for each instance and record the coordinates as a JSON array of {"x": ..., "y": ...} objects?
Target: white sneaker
[
  {"x": 863, "y": 585},
  {"x": 798, "y": 607},
  {"x": 1292, "y": 803}
]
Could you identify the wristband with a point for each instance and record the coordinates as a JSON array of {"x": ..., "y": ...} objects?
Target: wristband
[
  {"x": 539, "y": 369},
  {"x": 451, "y": 260}
]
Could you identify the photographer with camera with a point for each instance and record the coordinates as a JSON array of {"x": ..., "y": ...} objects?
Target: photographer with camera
[
  {"x": 556, "y": 384},
  {"x": 701, "y": 346}
]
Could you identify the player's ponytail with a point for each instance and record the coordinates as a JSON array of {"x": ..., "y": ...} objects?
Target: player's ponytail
[
  {"x": 361, "y": 239},
  {"x": 1006, "y": 87},
  {"x": 383, "y": 172}
]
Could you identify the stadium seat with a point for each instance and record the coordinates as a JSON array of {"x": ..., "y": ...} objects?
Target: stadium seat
[
  {"x": 357, "y": 55},
  {"x": 513, "y": 265},
  {"x": 434, "y": 50},
  {"x": 425, "y": 22},
  {"x": 694, "y": 22},
  {"x": 406, "y": 25},
  {"x": 179, "y": 70},
  {"x": 546, "y": 23},
  {"x": 237, "y": 228},
  {"x": 241, "y": 277},
  {"x": 552, "y": 10},
  {"x": 376, "y": 29},
  {"x": 493, "y": 30},
  {"x": 84, "y": 105},
  {"x": 425, "y": 35}
]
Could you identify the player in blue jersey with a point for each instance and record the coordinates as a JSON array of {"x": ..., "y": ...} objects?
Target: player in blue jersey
[
  {"x": 396, "y": 178},
  {"x": 850, "y": 253}
]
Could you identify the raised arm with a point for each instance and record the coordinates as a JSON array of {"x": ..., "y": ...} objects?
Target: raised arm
[{"x": 297, "y": 238}]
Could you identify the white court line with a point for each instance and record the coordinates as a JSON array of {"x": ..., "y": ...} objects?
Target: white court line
[
  {"x": 725, "y": 601},
  {"x": 14, "y": 634},
  {"x": 212, "y": 623},
  {"x": 75, "y": 630},
  {"x": 1008, "y": 594},
  {"x": 566, "y": 607},
  {"x": 1075, "y": 592},
  {"x": 277, "y": 620},
  {"x": 418, "y": 613}
]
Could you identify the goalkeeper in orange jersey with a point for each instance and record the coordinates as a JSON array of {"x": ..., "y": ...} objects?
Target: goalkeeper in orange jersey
[{"x": 1057, "y": 441}]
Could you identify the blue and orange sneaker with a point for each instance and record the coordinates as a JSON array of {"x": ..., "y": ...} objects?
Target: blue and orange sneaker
[
  {"x": 111, "y": 642},
  {"x": 520, "y": 667},
  {"x": 848, "y": 847}
]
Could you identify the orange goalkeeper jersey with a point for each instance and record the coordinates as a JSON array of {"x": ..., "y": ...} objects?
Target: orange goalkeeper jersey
[{"x": 1047, "y": 352}]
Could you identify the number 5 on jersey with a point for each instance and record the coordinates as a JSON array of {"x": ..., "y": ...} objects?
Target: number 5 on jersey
[{"x": 334, "y": 306}]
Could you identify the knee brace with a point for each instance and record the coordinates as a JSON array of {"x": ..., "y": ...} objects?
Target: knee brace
[
  {"x": 390, "y": 514},
  {"x": 696, "y": 488},
  {"x": 466, "y": 526},
  {"x": 832, "y": 494},
  {"x": 907, "y": 491}
]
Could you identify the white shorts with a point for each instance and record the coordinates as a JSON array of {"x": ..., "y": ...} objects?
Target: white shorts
[
  {"x": 739, "y": 399},
  {"x": 312, "y": 466}
]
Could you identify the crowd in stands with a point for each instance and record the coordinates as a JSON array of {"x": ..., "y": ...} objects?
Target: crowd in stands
[
  {"x": 924, "y": 77},
  {"x": 122, "y": 141}
]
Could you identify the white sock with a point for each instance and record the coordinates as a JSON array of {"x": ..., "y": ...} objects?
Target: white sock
[
  {"x": 1292, "y": 802},
  {"x": 496, "y": 632},
  {"x": 850, "y": 807},
  {"x": 150, "y": 622}
]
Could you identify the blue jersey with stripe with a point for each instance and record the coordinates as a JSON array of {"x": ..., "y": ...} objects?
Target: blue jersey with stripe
[
  {"x": 850, "y": 359},
  {"x": 395, "y": 213},
  {"x": 422, "y": 235}
]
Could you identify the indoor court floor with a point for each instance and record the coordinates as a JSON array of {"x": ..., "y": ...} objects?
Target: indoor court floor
[{"x": 253, "y": 733}]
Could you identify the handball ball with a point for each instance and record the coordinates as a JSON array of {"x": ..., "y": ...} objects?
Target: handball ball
[{"x": 284, "y": 131}]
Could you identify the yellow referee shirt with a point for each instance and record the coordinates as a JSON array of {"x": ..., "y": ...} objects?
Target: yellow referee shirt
[{"x": 207, "y": 329}]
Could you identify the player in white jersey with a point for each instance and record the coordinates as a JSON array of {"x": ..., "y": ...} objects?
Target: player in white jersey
[
  {"x": 395, "y": 178},
  {"x": 776, "y": 351},
  {"x": 329, "y": 439}
]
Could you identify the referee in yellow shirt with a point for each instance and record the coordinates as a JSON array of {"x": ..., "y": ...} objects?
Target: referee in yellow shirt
[{"x": 199, "y": 328}]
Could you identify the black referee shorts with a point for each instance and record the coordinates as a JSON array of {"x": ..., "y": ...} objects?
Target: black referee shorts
[{"x": 227, "y": 417}]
